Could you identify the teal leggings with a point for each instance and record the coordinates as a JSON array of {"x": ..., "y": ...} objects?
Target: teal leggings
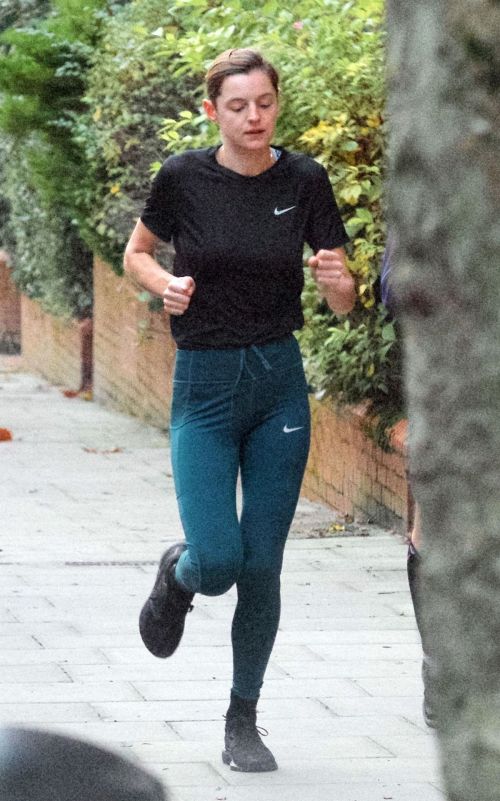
[{"x": 243, "y": 410}]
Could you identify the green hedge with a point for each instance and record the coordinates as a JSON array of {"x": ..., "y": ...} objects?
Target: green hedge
[
  {"x": 51, "y": 264},
  {"x": 129, "y": 91},
  {"x": 43, "y": 61}
]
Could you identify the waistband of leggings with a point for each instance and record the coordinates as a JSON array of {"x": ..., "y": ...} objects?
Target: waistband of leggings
[{"x": 233, "y": 364}]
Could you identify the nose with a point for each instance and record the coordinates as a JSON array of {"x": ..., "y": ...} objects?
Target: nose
[{"x": 253, "y": 111}]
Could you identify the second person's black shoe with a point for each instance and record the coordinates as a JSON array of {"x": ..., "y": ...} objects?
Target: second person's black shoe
[{"x": 161, "y": 622}]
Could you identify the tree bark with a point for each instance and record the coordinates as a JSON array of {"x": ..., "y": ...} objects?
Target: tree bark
[{"x": 444, "y": 120}]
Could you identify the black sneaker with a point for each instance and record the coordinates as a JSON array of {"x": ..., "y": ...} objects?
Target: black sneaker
[
  {"x": 244, "y": 750},
  {"x": 161, "y": 622}
]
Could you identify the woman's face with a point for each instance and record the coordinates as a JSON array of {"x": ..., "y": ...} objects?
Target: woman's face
[{"x": 245, "y": 111}]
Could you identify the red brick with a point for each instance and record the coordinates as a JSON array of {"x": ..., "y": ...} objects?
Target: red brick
[
  {"x": 51, "y": 346},
  {"x": 10, "y": 309},
  {"x": 133, "y": 352}
]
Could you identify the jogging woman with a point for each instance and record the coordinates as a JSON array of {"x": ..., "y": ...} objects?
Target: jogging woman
[{"x": 239, "y": 215}]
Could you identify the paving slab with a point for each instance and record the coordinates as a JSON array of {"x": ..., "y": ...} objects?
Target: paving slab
[{"x": 88, "y": 506}]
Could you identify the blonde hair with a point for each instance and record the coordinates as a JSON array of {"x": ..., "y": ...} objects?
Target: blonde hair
[{"x": 237, "y": 62}]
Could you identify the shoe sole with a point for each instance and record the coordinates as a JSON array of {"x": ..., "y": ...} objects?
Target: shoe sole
[{"x": 228, "y": 760}]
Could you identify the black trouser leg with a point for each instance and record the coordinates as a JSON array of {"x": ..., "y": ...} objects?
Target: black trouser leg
[{"x": 414, "y": 568}]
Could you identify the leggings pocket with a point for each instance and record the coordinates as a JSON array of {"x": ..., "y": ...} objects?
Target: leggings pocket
[
  {"x": 180, "y": 401},
  {"x": 201, "y": 400}
]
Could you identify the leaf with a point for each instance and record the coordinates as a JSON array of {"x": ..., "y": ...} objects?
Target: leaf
[
  {"x": 5, "y": 435},
  {"x": 364, "y": 215},
  {"x": 144, "y": 297},
  {"x": 350, "y": 146},
  {"x": 388, "y": 333}
]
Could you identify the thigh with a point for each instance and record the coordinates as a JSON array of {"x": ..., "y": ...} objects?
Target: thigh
[
  {"x": 274, "y": 457},
  {"x": 205, "y": 460}
]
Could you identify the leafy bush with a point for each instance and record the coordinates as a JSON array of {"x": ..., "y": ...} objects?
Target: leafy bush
[
  {"x": 129, "y": 91},
  {"x": 50, "y": 262},
  {"x": 14, "y": 13},
  {"x": 42, "y": 67}
]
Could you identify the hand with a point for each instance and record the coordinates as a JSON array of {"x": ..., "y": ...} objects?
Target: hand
[
  {"x": 328, "y": 268},
  {"x": 334, "y": 280},
  {"x": 177, "y": 296}
]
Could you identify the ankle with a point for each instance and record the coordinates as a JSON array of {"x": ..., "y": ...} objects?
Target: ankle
[{"x": 239, "y": 707}]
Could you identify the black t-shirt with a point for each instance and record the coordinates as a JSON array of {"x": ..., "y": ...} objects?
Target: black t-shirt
[{"x": 241, "y": 238}]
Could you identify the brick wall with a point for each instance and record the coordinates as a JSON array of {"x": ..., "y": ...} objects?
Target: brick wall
[
  {"x": 51, "y": 346},
  {"x": 10, "y": 309},
  {"x": 347, "y": 470},
  {"x": 133, "y": 350}
]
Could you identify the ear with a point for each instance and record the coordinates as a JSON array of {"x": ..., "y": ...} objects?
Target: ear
[{"x": 210, "y": 110}]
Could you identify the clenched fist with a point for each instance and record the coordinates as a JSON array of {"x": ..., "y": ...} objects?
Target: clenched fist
[
  {"x": 328, "y": 266},
  {"x": 334, "y": 280},
  {"x": 178, "y": 294}
]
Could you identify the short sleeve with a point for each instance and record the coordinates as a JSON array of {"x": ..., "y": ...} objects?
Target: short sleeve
[
  {"x": 159, "y": 212},
  {"x": 324, "y": 227}
]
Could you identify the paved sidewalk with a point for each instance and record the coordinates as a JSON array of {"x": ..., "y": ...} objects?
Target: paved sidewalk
[{"x": 87, "y": 507}]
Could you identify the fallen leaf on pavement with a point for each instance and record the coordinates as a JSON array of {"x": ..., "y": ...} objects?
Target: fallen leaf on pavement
[
  {"x": 5, "y": 435},
  {"x": 109, "y": 450}
]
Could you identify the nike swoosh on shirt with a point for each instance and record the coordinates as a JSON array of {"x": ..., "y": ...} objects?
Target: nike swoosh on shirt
[
  {"x": 278, "y": 211},
  {"x": 288, "y": 430}
]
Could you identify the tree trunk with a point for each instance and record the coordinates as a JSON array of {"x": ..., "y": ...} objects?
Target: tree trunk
[{"x": 444, "y": 118}]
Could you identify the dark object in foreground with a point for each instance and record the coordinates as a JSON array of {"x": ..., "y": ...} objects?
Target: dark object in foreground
[{"x": 39, "y": 765}]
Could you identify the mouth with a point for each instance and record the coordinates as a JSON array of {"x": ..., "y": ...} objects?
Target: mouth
[{"x": 255, "y": 133}]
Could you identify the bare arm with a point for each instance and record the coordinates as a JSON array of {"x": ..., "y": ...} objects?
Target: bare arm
[
  {"x": 139, "y": 263},
  {"x": 335, "y": 282}
]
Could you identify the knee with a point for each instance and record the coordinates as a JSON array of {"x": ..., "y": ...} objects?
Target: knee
[{"x": 218, "y": 574}]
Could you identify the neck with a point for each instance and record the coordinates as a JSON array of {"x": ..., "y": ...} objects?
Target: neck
[{"x": 244, "y": 162}]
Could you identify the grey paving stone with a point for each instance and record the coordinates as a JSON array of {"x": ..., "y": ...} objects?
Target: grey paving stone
[
  {"x": 111, "y": 733},
  {"x": 201, "y": 710},
  {"x": 358, "y": 791},
  {"x": 157, "y": 671},
  {"x": 55, "y": 656},
  {"x": 39, "y": 712},
  {"x": 50, "y": 693},
  {"x": 422, "y": 746},
  {"x": 350, "y": 669},
  {"x": 390, "y": 687},
  {"x": 406, "y": 706},
  {"x": 32, "y": 674},
  {"x": 275, "y": 688}
]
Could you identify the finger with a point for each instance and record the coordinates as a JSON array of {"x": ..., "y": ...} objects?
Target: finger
[
  {"x": 328, "y": 278},
  {"x": 176, "y": 291},
  {"x": 325, "y": 255},
  {"x": 179, "y": 302},
  {"x": 175, "y": 310},
  {"x": 187, "y": 285}
]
